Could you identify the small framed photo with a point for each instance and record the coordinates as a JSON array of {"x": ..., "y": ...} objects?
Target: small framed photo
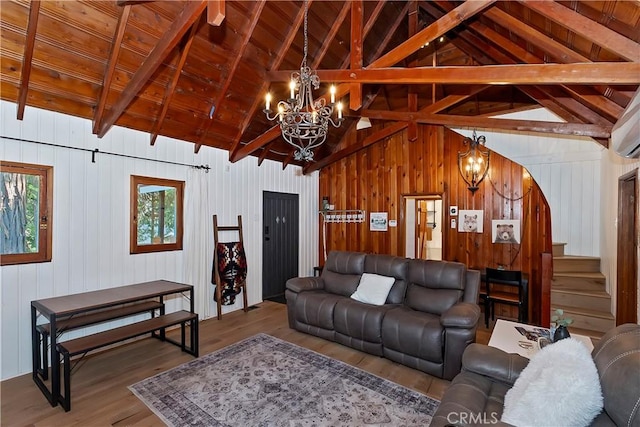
[
  {"x": 505, "y": 231},
  {"x": 453, "y": 211},
  {"x": 471, "y": 221},
  {"x": 378, "y": 221}
]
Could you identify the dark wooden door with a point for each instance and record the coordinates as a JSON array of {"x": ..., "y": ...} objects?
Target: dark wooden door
[
  {"x": 280, "y": 242},
  {"x": 627, "y": 271}
]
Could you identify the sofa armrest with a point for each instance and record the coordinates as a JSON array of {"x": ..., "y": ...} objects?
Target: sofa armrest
[
  {"x": 301, "y": 284},
  {"x": 462, "y": 315},
  {"x": 493, "y": 363}
]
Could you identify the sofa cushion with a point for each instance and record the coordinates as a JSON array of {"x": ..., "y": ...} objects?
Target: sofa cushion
[
  {"x": 373, "y": 288},
  {"x": 414, "y": 333},
  {"x": 435, "y": 286},
  {"x": 391, "y": 266},
  {"x": 316, "y": 308},
  {"x": 358, "y": 320},
  {"x": 342, "y": 271},
  {"x": 559, "y": 386}
]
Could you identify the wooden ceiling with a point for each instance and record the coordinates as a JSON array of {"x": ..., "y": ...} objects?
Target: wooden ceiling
[{"x": 199, "y": 70}]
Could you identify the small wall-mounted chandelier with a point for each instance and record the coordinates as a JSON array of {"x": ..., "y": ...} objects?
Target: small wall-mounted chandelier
[
  {"x": 304, "y": 122},
  {"x": 474, "y": 163}
]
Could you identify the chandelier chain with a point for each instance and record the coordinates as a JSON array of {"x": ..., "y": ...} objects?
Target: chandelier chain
[{"x": 306, "y": 33}]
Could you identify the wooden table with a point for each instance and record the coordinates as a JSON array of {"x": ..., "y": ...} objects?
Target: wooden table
[{"x": 61, "y": 309}]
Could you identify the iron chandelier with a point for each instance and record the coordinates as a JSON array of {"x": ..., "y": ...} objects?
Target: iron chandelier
[{"x": 304, "y": 122}]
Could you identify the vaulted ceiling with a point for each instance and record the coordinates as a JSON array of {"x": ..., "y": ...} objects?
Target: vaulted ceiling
[{"x": 199, "y": 70}]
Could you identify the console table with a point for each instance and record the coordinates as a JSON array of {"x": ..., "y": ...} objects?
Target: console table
[{"x": 89, "y": 308}]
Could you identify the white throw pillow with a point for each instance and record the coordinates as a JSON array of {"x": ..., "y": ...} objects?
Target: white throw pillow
[
  {"x": 373, "y": 288},
  {"x": 559, "y": 387}
]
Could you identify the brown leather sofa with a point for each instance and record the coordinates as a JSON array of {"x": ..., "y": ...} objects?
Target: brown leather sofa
[
  {"x": 429, "y": 318},
  {"x": 476, "y": 395}
]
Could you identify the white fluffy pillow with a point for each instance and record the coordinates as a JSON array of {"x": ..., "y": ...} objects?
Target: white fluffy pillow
[
  {"x": 559, "y": 387},
  {"x": 373, "y": 288}
]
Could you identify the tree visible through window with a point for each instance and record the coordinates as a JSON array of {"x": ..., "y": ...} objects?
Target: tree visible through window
[
  {"x": 26, "y": 204},
  {"x": 156, "y": 209}
]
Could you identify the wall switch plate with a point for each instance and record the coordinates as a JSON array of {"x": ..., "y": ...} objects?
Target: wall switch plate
[{"x": 453, "y": 223}]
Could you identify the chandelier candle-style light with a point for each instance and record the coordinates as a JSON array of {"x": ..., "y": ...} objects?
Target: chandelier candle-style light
[
  {"x": 474, "y": 163},
  {"x": 304, "y": 122}
]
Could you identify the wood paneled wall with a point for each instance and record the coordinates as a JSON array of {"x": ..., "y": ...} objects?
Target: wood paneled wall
[{"x": 377, "y": 178}]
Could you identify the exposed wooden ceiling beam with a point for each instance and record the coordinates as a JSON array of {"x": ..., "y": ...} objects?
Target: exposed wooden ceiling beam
[
  {"x": 453, "y": 99},
  {"x": 191, "y": 12},
  {"x": 353, "y": 148},
  {"x": 168, "y": 94},
  {"x": 583, "y": 73},
  {"x": 355, "y": 98},
  {"x": 430, "y": 33},
  {"x": 595, "y": 101},
  {"x": 256, "y": 144},
  {"x": 412, "y": 93},
  {"x": 591, "y": 30},
  {"x": 389, "y": 35},
  {"x": 590, "y": 99},
  {"x": 215, "y": 12},
  {"x": 237, "y": 57},
  {"x": 116, "y": 44},
  {"x": 30, "y": 41},
  {"x": 578, "y": 129},
  {"x": 331, "y": 35},
  {"x": 557, "y": 51}
]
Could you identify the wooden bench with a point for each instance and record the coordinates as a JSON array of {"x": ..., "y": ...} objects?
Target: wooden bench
[
  {"x": 86, "y": 319},
  {"x": 85, "y": 344}
]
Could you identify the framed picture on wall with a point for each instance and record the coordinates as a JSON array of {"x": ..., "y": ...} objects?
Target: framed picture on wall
[
  {"x": 378, "y": 221},
  {"x": 470, "y": 221},
  {"x": 505, "y": 231},
  {"x": 453, "y": 211}
]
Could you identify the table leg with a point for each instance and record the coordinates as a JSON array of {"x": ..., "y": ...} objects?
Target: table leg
[
  {"x": 55, "y": 361},
  {"x": 35, "y": 345}
]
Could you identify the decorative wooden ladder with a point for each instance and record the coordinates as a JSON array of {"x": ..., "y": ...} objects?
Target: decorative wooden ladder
[{"x": 579, "y": 288}]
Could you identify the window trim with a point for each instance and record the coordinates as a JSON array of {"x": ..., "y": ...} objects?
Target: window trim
[
  {"x": 134, "y": 247},
  {"x": 45, "y": 235}
]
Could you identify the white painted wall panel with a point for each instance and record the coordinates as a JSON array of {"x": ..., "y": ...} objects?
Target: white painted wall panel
[{"x": 91, "y": 216}]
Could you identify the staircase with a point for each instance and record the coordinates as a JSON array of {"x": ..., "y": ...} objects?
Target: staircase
[{"x": 579, "y": 289}]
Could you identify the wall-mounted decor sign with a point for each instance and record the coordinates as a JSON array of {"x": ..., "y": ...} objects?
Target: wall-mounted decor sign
[
  {"x": 505, "y": 231},
  {"x": 378, "y": 221},
  {"x": 470, "y": 221}
]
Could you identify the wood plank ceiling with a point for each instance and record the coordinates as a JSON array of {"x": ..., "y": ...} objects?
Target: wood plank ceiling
[{"x": 162, "y": 68}]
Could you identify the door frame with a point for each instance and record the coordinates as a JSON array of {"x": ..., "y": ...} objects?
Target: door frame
[
  {"x": 403, "y": 219},
  {"x": 627, "y": 290}
]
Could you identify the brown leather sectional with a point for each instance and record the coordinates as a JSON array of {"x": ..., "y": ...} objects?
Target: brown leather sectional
[{"x": 429, "y": 318}]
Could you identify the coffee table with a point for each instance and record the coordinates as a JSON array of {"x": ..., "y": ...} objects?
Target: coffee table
[{"x": 523, "y": 339}]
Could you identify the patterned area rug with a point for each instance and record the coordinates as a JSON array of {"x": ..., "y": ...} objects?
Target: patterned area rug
[{"x": 264, "y": 381}]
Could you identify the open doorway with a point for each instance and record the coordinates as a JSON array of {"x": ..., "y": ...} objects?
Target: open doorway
[{"x": 423, "y": 227}]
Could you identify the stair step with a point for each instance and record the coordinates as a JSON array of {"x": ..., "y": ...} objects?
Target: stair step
[
  {"x": 570, "y": 263},
  {"x": 587, "y": 300},
  {"x": 593, "y": 320},
  {"x": 557, "y": 249},
  {"x": 579, "y": 282}
]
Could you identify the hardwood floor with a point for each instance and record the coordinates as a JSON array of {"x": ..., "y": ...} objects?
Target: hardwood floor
[{"x": 100, "y": 396}]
